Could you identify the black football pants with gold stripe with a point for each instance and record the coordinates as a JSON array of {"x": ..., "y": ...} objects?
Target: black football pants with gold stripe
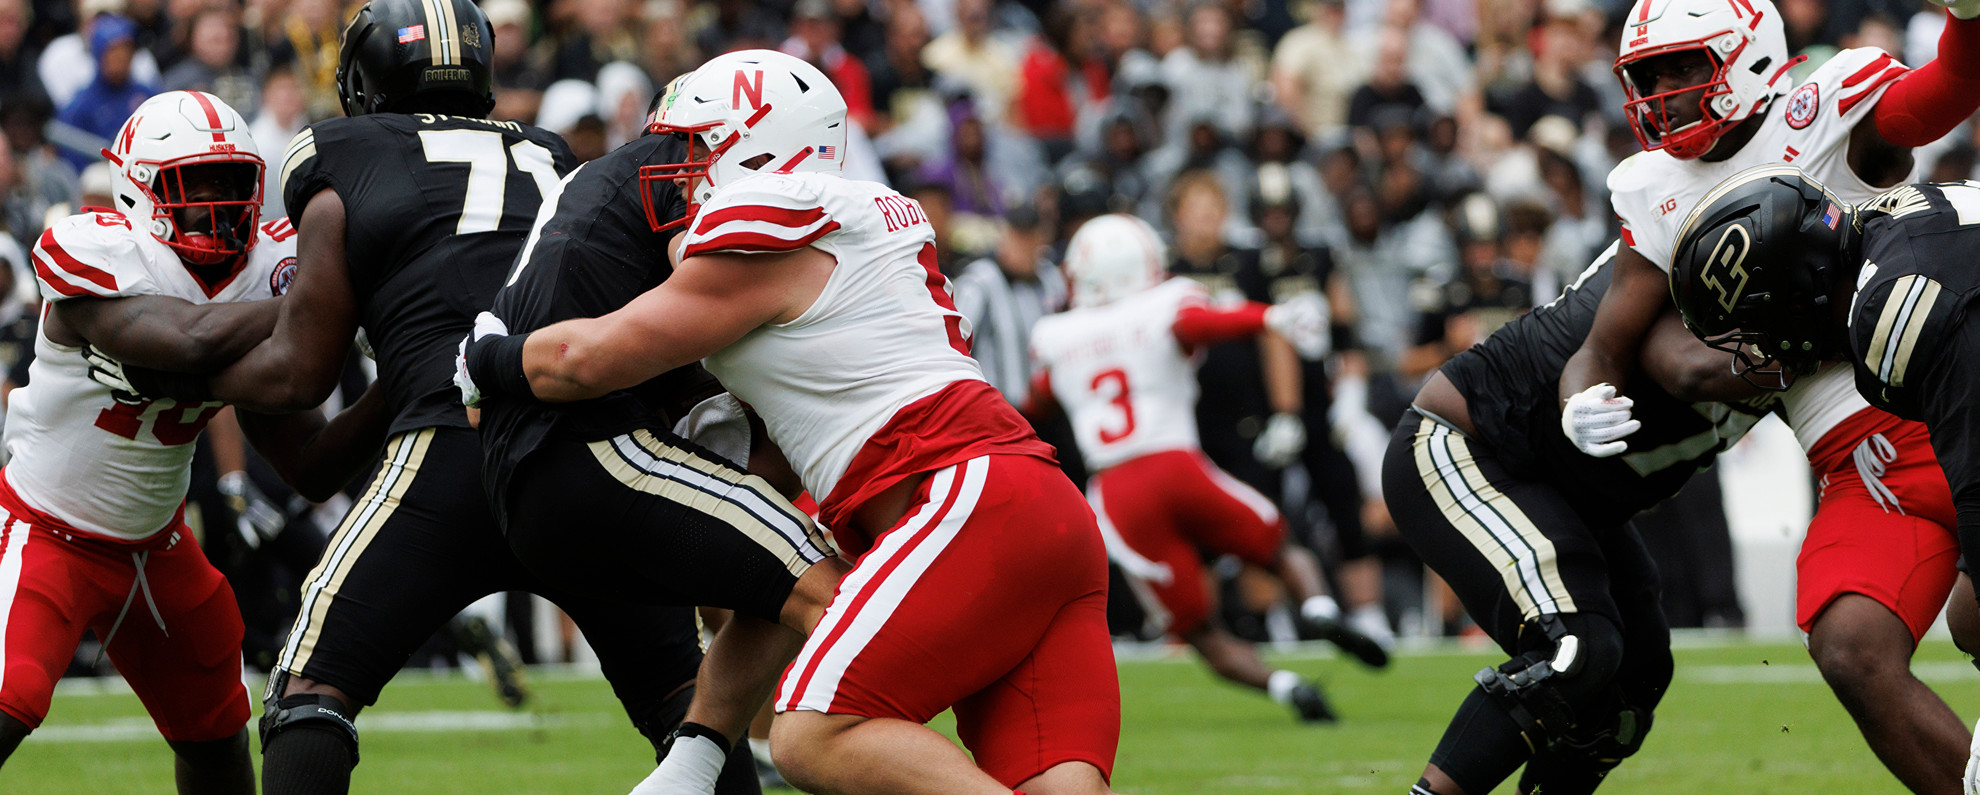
[
  {"x": 419, "y": 545},
  {"x": 1516, "y": 554}
]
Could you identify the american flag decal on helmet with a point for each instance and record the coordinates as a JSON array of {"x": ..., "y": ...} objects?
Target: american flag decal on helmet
[
  {"x": 412, "y": 34},
  {"x": 827, "y": 152}
]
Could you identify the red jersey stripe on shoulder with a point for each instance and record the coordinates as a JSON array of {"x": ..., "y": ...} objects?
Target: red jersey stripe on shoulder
[
  {"x": 756, "y": 242},
  {"x": 49, "y": 278},
  {"x": 764, "y": 213},
  {"x": 1868, "y": 70},
  {"x": 1853, "y": 100},
  {"x": 76, "y": 267}
]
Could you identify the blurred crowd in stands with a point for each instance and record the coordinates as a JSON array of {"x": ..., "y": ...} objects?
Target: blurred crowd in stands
[{"x": 1435, "y": 167}]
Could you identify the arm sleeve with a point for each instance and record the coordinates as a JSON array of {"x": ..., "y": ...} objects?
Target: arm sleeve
[
  {"x": 1925, "y": 104},
  {"x": 1197, "y": 324},
  {"x": 762, "y": 214},
  {"x": 94, "y": 255}
]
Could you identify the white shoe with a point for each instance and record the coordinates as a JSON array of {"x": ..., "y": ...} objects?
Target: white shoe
[{"x": 1971, "y": 782}]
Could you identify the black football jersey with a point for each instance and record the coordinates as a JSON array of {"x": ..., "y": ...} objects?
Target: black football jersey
[
  {"x": 435, "y": 209},
  {"x": 1511, "y": 383},
  {"x": 1273, "y": 274},
  {"x": 594, "y": 253},
  {"x": 1914, "y": 352},
  {"x": 1231, "y": 407}
]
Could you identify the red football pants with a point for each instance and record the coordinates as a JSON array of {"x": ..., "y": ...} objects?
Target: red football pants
[{"x": 989, "y": 596}]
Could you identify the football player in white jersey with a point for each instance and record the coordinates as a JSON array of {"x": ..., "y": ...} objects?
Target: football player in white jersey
[
  {"x": 980, "y": 581},
  {"x": 1709, "y": 97},
  {"x": 92, "y": 530},
  {"x": 1120, "y": 364}
]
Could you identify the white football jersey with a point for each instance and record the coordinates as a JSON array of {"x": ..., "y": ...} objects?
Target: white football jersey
[
  {"x": 1126, "y": 383},
  {"x": 102, "y": 466},
  {"x": 1808, "y": 127},
  {"x": 882, "y": 334}
]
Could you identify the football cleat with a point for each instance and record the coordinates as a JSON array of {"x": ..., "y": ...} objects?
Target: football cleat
[
  {"x": 1311, "y": 706},
  {"x": 497, "y": 657}
]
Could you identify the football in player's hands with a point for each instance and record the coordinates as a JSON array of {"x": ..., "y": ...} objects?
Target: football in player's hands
[
  {"x": 109, "y": 372},
  {"x": 1302, "y": 320},
  {"x": 1596, "y": 420}
]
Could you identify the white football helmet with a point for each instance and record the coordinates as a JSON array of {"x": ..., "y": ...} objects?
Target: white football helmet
[
  {"x": 181, "y": 143},
  {"x": 1112, "y": 257},
  {"x": 1747, "y": 48},
  {"x": 749, "y": 111}
]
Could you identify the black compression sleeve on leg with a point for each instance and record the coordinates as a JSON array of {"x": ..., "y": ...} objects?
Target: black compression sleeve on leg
[
  {"x": 1483, "y": 745},
  {"x": 307, "y": 759}
]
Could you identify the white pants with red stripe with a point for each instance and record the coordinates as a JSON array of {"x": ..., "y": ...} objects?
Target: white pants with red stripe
[{"x": 989, "y": 597}]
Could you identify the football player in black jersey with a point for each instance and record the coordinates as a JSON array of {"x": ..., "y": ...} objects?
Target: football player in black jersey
[
  {"x": 411, "y": 211},
  {"x": 1534, "y": 537}
]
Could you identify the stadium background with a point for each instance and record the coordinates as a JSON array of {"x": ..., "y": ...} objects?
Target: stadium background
[{"x": 1446, "y": 156}]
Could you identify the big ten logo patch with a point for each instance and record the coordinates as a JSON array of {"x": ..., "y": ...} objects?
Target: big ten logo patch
[{"x": 1803, "y": 105}]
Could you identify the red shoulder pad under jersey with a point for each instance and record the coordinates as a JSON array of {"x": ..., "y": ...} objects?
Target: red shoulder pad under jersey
[
  {"x": 92, "y": 255},
  {"x": 763, "y": 213}
]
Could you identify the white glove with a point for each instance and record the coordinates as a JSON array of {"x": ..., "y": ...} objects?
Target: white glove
[
  {"x": 110, "y": 372},
  {"x": 1302, "y": 320},
  {"x": 1596, "y": 421},
  {"x": 1964, "y": 9},
  {"x": 1971, "y": 782},
  {"x": 1283, "y": 439},
  {"x": 485, "y": 324}
]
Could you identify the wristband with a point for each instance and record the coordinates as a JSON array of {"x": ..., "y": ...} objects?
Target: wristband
[{"x": 495, "y": 362}]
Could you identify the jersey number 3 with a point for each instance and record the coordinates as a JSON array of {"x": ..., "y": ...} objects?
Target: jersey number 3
[
  {"x": 1119, "y": 379},
  {"x": 488, "y": 171}
]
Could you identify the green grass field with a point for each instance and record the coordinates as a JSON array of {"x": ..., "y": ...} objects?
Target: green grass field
[{"x": 1740, "y": 717}]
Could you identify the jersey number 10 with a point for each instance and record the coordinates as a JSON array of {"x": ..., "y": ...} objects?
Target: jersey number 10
[{"x": 488, "y": 171}]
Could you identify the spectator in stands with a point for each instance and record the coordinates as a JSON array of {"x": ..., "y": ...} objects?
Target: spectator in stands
[
  {"x": 17, "y": 56},
  {"x": 815, "y": 38},
  {"x": 1388, "y": 87},
  {"x": 1044, "y": 107},
  {"x": 521, "y": 71},
  {"x": 1207, "y": 78},
  {"x": 1003, "y": 295},
  {"x": 1556, "y": 88},
  {"x": 213, "y": 62},
  {"x": 739, "y": 25},
  {"x": 312, "y": 30},
  {"x": 604, "y": 35},
  {"x": 68, "y": 64},
  {"x": 281, "y": 116},
  {"x": 42, "y": 179},
  {"x": 972, "y": 55},
  {"x": 1277, "y": 142},
  {"x": 623, "y": 94},
  {"x": 972, "y": 187},
  {"x": 1315, "y": 69},
  {"x": 96, "y": 112},
  {"x": 1437, "y": 64},
  {"x": 666, "y": 49}
]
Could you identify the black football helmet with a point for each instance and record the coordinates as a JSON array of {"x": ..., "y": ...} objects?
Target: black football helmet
[
  {"x": 1756, "y": 268},
  {"x": 417, "y": 56}
]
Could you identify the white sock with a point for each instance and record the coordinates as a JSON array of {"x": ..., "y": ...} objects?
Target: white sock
[
  {"x": 761, "y": 750},
  {"x": 1320, "y": 609},
  {"x": 690, "y": 768},
  {"x": 1371, "y": 621},
  {"x": 1280, "y": 685}
]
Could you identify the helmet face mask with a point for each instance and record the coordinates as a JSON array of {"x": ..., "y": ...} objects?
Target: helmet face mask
[
  {"x": 212, "y": 207},
  {"x": 1655, "y": 116},
  {"x": 744, "y": 112}
]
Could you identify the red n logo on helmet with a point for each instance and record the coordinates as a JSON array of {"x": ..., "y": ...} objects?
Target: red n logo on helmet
[{"x": 744, "y": 88}]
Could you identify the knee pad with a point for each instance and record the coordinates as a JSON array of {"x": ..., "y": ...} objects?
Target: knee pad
[
  {"x": 1566, "y": 671},
  {"x": 658, "y": 727},
  {"x": 308, "y": 710}
]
